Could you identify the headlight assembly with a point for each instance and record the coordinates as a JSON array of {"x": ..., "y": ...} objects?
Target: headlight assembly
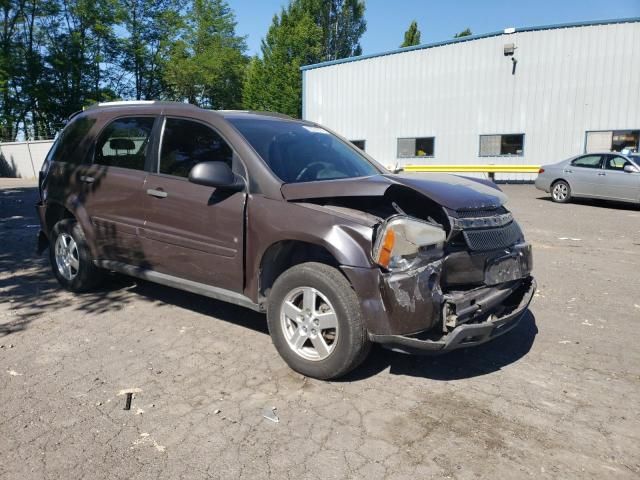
[{"x": 401, "y": 240}]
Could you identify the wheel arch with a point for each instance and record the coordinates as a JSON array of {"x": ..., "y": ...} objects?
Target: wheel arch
[
  {"x": 284, "y": 254},
  {"x": 54, "y": 213}
]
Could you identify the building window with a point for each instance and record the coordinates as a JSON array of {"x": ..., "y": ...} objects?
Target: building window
[
  {"x": 416, "y": 147},
  {"x": 359, "y": 143},
  {"x": 612, "y": 141},
  {"x": 498, "y": 145}
]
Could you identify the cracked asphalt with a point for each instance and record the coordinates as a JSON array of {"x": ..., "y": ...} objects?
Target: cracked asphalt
[{"x": 559, "y": 397}]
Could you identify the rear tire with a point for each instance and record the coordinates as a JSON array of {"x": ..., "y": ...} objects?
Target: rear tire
[
  {"x": 560, "y": 192},
  {"x": 315, "y": 321},
  {"x": 71, "y": 259}
]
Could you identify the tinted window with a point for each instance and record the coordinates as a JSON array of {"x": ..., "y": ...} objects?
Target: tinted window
[
  {"x": 124, "y": 143},
  {"x": 185, "y": 143},
  {"x": 296, "y": 152},
  {"x": 615, "y": 162},
  {"x": 65, "y": 148},
  {"x": 588, "y": 161}
]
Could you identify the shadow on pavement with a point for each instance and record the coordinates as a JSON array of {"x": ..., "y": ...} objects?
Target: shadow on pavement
[
  {"x": 27, "y": 286},
  {"x": 608, "y": 204},
  {"x": 459, "y": 364}
]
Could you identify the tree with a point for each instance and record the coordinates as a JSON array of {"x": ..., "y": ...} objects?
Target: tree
[
  {"x": 412, "y": 35},
  {"x": 152, "y": 26},
  {"x": 273, "y": 82},
  {"x": 80, "y": 47},
  {"x": 206, "y": 65},
  {"x": 10, "y": 65},
  {"x": 464, "y": 33},
  {"x": 305, "y": 32},
  {"x": 342, "y": 23}
]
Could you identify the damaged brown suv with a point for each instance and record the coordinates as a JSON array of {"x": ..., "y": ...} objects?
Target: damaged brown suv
[{"x": 284, "y": 217}]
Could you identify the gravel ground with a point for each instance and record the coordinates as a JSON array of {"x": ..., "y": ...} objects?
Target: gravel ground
[{"x": 559, "y": 397}]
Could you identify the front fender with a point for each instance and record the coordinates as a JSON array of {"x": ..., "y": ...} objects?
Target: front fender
[{"x": 272, "y": 221}]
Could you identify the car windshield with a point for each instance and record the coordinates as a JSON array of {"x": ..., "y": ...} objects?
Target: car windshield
[
  {"x": 635, "y": 159},
  {"x": 298, "y": 153}
]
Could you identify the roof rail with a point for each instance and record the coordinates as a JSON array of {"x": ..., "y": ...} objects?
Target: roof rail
[
  {"x": 260, "y": 112},
  {"x": 124, "y": 103}
]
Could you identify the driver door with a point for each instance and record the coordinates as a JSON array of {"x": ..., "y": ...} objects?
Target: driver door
[
  {"x": 618, "y": 184},
  {"x": 191, "y": 231}
]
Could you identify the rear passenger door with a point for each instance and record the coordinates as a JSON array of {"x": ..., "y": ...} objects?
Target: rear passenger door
[
  {"x": 584, "y": 174},
  {"x": 194, "y": 232},
  {"x": 618, "y": 184},
  {"x": 113, "y": 187}
]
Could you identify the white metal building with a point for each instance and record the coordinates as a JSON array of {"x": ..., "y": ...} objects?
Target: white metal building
[{"x": 525, "y": 96}]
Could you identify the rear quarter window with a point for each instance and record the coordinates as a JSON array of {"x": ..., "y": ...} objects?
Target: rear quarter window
[
  {"x": 67, "y": 147},
  {"x": 588, "y": 161}
]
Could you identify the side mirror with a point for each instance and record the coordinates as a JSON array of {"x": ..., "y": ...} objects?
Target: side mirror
[
  {"x": 216, "y": 174},
  {"x": 631, "y": 169}
]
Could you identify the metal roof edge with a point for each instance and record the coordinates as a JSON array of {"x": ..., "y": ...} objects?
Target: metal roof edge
[{"x": 468, "y": 39}]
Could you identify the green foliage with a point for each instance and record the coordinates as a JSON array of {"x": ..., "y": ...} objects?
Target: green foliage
[
  {"x": 411, "y": 36},
  {"x": 206, "y": 65},
  {"x": 306, "y": 32},
  {"x": 464, "y": 33},
  {"x": 152, "y": 27},
  {"x": 58, "y": 56}
]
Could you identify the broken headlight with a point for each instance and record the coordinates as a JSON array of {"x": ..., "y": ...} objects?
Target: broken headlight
[{"x": 402, "y": 241}]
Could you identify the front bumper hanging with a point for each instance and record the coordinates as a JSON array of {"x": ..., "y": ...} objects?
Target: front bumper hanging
[{"x": 465, "y": 335}]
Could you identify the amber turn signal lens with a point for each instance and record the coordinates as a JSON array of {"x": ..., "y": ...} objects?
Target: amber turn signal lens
[
  {"x": 384, "y": 257},
  {"x": 541, "y": 170}
]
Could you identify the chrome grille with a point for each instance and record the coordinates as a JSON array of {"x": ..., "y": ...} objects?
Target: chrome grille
[{"x": 493, "y": 238}]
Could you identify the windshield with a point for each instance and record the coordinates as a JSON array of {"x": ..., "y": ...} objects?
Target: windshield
[
  {"x": 299, "y": 153},
  {"x": 635, "y": 159}
]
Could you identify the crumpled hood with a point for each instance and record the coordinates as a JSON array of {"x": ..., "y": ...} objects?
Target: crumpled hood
[{"x": 450, "y": 191}]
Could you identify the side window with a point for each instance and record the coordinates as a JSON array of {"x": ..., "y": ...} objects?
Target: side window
[
  {"x": 614, "y": 162},
  {"x": 124, "y": 142},
  {"x": 588, "y": 161},
  {"x": 65, "y": 148},
  {"x": 186, "y": 143}
]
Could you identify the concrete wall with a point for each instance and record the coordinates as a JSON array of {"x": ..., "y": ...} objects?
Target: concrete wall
[
  {"x": 23, "y": 159},
  {"x": 567, "y": 81}
]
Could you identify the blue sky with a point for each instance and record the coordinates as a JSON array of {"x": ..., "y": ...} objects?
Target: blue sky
[{"x": 440, "y": 20}]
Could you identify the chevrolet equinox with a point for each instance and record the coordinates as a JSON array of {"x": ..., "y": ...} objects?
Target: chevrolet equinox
[{"x": 284, "y": 217}]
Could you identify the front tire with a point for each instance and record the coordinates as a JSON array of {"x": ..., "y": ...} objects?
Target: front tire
[
  {"x": 71, "y": 259},
  {"x": 560, "y": 192},
  {"x": 315, "y": 321}
]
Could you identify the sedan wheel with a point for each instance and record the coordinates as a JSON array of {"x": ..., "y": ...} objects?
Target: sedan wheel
[{"x": 561, "y": 192}]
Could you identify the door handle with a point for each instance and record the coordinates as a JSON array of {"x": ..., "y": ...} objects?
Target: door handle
[
  {"x": 87, "y": 179},
  {"x": 602, "y": 174},
  {"x": 568, "y": 171},
  {"x": 157, "y": 193}
]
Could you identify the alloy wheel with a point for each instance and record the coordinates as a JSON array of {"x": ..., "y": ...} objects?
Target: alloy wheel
[
  {"x": 67, "y": 257},
  {"x": 309, "y": 323}
]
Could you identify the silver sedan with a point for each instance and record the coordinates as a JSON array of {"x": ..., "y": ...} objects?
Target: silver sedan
[{"x": 610, "y": 176}]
